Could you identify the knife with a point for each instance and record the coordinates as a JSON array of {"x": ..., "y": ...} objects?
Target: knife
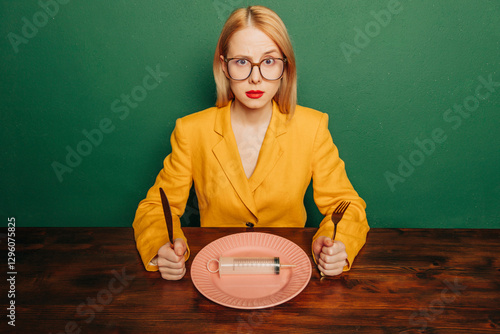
[{"x": 168, "y": 217}]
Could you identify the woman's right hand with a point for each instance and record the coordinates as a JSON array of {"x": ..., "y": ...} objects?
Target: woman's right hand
[{"x": 171, "y": 262}]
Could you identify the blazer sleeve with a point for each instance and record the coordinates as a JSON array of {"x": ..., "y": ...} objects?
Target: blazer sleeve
[
  {"x": 331, "y": 186},
  {"x": 175, "y": 178}
]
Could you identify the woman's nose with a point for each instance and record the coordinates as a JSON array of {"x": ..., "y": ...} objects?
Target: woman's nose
[{"x": 255, "y": 76}]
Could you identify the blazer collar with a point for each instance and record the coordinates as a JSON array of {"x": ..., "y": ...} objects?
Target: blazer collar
[{"x": 226, "y": 152}]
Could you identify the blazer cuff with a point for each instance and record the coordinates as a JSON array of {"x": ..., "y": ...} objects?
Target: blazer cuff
[{"x": 352, "y": 235}]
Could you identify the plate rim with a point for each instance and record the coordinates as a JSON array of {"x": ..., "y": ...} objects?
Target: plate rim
[{"x": 300, "y": 251}]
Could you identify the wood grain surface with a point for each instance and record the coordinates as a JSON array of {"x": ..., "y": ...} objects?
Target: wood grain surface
[{"x": 91, "y": 280}]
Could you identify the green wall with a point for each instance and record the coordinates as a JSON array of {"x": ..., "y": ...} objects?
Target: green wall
[{"x": 401, "y": 81}]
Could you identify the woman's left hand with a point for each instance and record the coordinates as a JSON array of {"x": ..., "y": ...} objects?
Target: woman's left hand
[{"x": 330, "y": 255}]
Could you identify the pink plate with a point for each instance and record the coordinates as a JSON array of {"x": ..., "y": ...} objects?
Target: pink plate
[{"x": 252, "y": 291}]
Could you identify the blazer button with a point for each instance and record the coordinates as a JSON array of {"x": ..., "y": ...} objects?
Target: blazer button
[{"x": 249, "y": 224}]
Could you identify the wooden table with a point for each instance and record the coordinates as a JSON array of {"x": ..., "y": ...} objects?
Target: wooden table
[{"x": 91, "y": 280}]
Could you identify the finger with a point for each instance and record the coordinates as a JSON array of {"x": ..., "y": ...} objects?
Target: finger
[
  {"x": 180, "y": 247},
  {"x": 172, "y": 269},
  {"x": 335, "y": 258},
  {"x": 327, "y": 246},
  {"x": 331, "y": 272},
  {"x": 336, "y": 247},
  {"x": 168, "y": 254},
  {"x": 165, "y": 250},
  {"x": 173, "y": 276},
  {"x": 318, "y": 244},
  {"x": 339, "y": 245},
  {"x": 328, "y": 250},
  {"x": 332, "y": 263},
  {"x": 328, "y": 242},
  {"x": 165, "y": 263},
  {"x": 329, "y": 269}
]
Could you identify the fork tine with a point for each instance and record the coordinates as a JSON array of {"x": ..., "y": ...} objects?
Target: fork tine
[
  {"x": 345, "y": 207},
  {"x": 340, "y": 208},
  {"x": 337, "y": 209}
]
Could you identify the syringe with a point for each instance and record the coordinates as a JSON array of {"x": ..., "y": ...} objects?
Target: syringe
[{"x": 247, "y": 265}]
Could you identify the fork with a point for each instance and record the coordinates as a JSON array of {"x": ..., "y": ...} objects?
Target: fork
[{"x": 337, "y": 215}]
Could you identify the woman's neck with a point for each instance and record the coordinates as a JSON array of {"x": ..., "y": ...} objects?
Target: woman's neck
[{"x": 251, "y": 117}]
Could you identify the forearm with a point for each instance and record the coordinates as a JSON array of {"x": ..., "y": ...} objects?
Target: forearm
[{"x": 150, "y": 233}]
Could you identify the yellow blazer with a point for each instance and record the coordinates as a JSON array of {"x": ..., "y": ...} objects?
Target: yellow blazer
[{"x": 204, "y": 151}]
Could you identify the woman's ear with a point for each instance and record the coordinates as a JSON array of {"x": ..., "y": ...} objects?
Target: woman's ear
[{"x": 223, "y": 65}]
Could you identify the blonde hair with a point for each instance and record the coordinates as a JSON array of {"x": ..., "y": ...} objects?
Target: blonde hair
[{"x": 269, "y": 23}]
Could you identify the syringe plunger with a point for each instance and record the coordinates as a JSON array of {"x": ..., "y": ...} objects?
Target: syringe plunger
[{"x": 248, "y": 265}]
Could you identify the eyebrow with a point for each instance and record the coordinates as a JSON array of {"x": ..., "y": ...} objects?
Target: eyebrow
[{"x": 265, "y": 54}]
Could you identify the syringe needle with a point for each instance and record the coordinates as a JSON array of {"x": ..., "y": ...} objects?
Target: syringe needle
[{"x": 288, "y": 265}]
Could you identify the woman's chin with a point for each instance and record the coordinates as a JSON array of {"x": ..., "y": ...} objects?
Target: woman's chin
[{"x": 254, "y": 104}]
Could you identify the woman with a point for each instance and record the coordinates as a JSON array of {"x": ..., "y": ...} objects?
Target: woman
[{"x": 252, "y": 157}]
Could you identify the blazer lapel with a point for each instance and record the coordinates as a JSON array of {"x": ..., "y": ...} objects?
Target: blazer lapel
[
  {"x": 226, "y": 152},
  {"x": 271, "y": 151}
]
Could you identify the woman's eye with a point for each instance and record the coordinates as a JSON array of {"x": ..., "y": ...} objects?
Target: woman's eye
[
  {"x": 242, "y": 62},
  {"x": 269, "y": 61}
]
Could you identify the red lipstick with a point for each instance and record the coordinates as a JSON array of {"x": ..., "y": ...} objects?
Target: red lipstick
[{"x": 254, "y": 94}]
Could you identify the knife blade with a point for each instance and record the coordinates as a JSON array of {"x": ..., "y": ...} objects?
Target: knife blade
[{"x": 168, "y": 216}]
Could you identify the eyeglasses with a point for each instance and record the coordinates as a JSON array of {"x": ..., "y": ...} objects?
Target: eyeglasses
[{"x": 269, "y": 68}]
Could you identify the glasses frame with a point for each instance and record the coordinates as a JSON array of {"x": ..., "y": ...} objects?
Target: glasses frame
[{"x": 227, "y": 60}]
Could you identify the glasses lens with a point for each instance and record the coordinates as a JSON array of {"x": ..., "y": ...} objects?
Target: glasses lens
[
  {"x": 239, "y": 69},
  {"x": 270, "y": 68}
]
